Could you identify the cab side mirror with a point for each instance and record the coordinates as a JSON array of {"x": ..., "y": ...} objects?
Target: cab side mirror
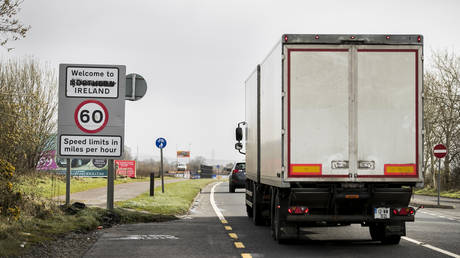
[{"x": 239, "y": 134}]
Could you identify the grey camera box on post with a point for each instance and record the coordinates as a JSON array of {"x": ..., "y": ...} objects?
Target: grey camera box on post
[{"x": 91, "y": 115}]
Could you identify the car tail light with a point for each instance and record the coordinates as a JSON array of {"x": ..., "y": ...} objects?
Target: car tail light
[
  {"x": 404, "y": 211},
  {"x": 235, "y": 171},
  {"x": 298, "y": 210}
]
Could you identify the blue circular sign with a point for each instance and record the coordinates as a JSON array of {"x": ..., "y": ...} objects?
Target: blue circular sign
[{"x": 161, "y": 143}]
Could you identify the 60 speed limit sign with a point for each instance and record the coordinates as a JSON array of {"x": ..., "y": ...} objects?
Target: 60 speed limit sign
[{"x": 91, "y": 116}]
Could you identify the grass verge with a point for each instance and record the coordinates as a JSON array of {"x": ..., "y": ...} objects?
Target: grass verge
[
  {"x": 434, "y": 192},
  {"x": 48, "y": 185},
  {"x": 175, "y": 201}
]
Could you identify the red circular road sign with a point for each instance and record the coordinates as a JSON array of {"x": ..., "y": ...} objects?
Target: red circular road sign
[
  {"x": 440, "y": 151},
  {"x": 91, "y": 116}
]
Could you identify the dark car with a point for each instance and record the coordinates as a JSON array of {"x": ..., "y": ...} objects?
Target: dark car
[{"x": 237, "y": 178}]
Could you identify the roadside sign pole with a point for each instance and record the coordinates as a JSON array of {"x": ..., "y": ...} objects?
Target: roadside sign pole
[
  {"x": 439, "y": 179},
  {"x": 161, "y": 143},
  {"x": 67, "y": 183},
  {"x": 110, "y": 173},
  {"x": 152, "y": 184},
  {"x": 161, "y": 171},
  {"x": 439, "y": 151}
]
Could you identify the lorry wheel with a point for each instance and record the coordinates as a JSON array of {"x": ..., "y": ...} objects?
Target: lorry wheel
[
  {"x": 391, "y": 240},
  {"x": 249, "y": 211},
  {"x": 256, "y": 207},
  {"x": 377, "y": 231},
  {"x": 231, "y": 188}
]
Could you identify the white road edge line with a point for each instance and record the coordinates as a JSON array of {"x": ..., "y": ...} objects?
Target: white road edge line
[
  {"x": 431, "y": 247},
  {"x": 213, "y": 203}
]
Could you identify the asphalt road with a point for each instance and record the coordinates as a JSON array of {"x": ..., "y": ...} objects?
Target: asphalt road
[{"x": 203, "y": 234}]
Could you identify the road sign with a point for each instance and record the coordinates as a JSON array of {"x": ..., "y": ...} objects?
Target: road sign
[
  {"x": 440, "y": 151},
  {"x": 91, "y": 110},
  {"x": 136, "y": 87},
  {"x": 91, "y": 116},
  {"x": 160, "y": 143}
]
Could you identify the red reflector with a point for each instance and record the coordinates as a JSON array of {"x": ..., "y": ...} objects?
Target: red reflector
[
  {"x": 285, "y": 38},
  {"x": 395, "y": 212},
  {"x": 298, "y": 210},
  {"x": 316, "y": 37}
]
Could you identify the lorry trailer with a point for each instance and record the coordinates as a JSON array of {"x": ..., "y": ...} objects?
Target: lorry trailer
[{"x": 333, "y": 133}]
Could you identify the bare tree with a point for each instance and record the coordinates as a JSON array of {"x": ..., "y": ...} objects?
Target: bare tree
[
  {"x": 10, "y": 27},
  {"x": 27, "y": 111},
  {"x": 442, "y": 111}
]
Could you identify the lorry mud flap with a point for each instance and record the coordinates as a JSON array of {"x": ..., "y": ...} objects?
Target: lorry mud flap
[
  {"x": 398, "y": 197},
  {"x": 312, "y": 197}
]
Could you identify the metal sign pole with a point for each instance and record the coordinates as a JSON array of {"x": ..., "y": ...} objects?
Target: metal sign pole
[
  {"x": 110, "y": 173},
  {"x": 67, "y": 183},
  {"x": 439, "y": 179},
  {"x": 161, "y": 171}
]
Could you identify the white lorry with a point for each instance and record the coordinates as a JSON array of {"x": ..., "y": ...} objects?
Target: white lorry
[{"x": 333, "y": 133}]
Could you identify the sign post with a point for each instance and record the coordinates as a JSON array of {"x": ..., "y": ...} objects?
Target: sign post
[
  {"x": 439, "y": 151},
  {"x": 91, "y": 115},
  {"x": 161, "y": 143}
]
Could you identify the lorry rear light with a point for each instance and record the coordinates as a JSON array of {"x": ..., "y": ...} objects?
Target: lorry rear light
[
  {"x": 298, "y": 210},
  {"x": 387, "y": 37},
  {"x": 404, "y": 211},
  {"x": 317, "y": 37},
  {"x": 352, "y": 37},
  {"x": 285, "y": 38},
  {"x": 419, "y": 38}
]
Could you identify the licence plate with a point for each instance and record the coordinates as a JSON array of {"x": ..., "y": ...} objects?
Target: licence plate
[{"x": 381, "y": 213}]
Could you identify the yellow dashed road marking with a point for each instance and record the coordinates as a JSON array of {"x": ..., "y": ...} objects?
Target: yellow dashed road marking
[
  {"x": 233, "y": 235},
  {"x": 228, "y": 228},
  {"x": 223, "y": 221},
  {"x": 245, "y": 255},
  {"x": 239, "y": 245}
]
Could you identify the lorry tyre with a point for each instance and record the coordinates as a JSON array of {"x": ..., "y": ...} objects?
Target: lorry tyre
[
  {"x": 256, "y": 207},
  {"x": 391, "y": 240},
  {"x": 377, "y": 231},
  {"x": 231, "y": 188}
]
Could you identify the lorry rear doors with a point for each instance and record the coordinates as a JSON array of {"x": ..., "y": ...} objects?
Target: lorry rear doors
[{"x": 352, "y": 111}]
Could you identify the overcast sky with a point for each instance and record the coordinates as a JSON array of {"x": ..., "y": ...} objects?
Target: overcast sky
[{"x": 195, "y": 55}]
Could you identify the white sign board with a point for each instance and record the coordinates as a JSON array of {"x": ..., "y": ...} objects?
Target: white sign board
[
  {"x": 92, "y": 82},
  {"x": 91, "y": 115},
  {"x": 97, "y": 146}
]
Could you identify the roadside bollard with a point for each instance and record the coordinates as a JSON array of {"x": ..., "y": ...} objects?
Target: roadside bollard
[{"x": 152, "y": 184}]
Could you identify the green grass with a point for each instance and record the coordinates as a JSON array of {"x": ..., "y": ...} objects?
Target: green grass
[
  {"x": 48, "y": 186},
  {"x": 175, "y": 201},
  {"x": 434, "y": 192}
]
